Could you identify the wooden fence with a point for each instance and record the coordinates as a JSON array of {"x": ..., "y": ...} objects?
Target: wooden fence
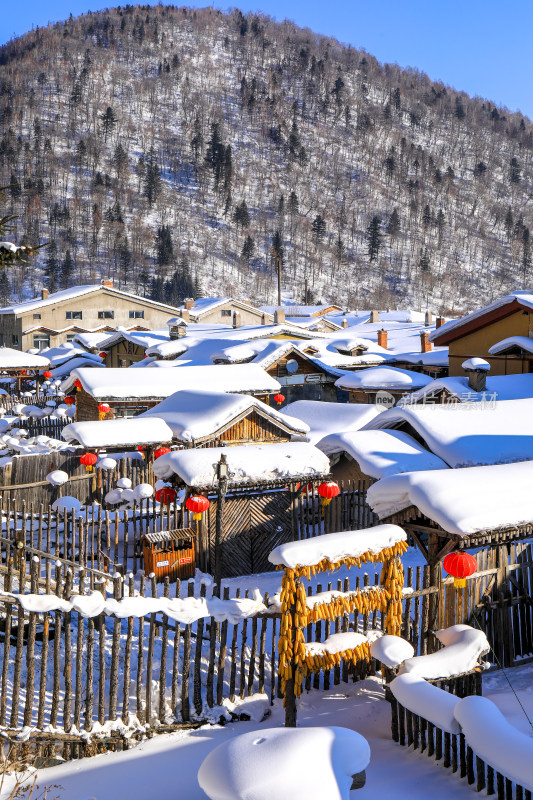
[{"x": 451, "y": 749}]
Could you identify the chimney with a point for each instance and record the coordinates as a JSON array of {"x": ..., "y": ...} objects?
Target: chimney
[
  {"x": 344, "y": 322},
  {"x": 44, "y": 294},
  {"x": 108, "y": 283},
  {"x": 382, "y": 338},
  {"x": 439, "y": 322},
  {"x": 279, "y": 316},
  {"x": 177, "y": 331},
  {"x": 374, "y": 316},
  {"x": 264, "y": 320},
  {"x": 476, "y": 369},
  {"x": 184, "y": 314},
  {"x": 237, "y": 319},
  {"x": 429, "y": 318},
  {"x": 425, "y": 344},
  {"x": 189, "y": 303}
]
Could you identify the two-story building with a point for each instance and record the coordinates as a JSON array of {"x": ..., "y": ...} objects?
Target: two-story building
[{"x": 56, "y": 318}]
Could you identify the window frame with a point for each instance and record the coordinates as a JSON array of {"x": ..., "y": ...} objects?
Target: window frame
[{"x": 106, "y": 315}]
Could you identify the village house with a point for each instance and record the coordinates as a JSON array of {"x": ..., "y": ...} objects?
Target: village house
[
  {"x": 56, "y": 318},
  {"x": 386, "y": 385},
  {"x": 501, "y": 333},
  {"x": 223, "y": 311}
]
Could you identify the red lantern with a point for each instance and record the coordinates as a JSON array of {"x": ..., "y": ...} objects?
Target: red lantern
[
  {"x": 197, "y": 503},
  {"x": 102, "y": 355},
  {"x": 88, "y": 460},
  {"x": 69, "y": 400},
  {"x": 140, "y": 448},
  {"x": 460, "y": 566},
  {"x": 327, "y": 492},
  {"x": 47, "y": 374},
  {"x": 161, "y": 451},
  {"x": 165, "y": 495},
  {"x": 279, "y": 398},
  {"x": 104, "y": 408},
  {"x": 22, "y": 371},
  {"x": 77, "y": 384}
]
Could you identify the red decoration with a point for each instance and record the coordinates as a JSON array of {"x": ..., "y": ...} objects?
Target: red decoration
[
  {"x": 22, "y": 371},
  {"x": 327, "y": 492},
  {"x": 69, "y": 400},
  {"x": 161, "y": 451},
  {"x": 104, "y": 408},
  {"x": 102, "y": 355},
  {"x": 88, "y": 460},
  {"x": 47, "y": 374},
  {"x": 279, "y": 398},
  {"x": 77, "y": 383},
  {"x": 165, "y": 495},
  {"x": 197, "y": 503},
  {"x": 460, "y": 566}
]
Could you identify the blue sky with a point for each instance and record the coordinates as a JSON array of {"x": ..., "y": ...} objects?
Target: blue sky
[{"x": 483, "y": 47}]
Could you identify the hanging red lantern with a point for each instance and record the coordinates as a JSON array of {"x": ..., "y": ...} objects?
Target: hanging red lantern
[
  {"x": 197, "y": 503},
  {"x": 103, "y": 409},
  {"x": 279, "y": 398},
  {"x": 460, "y": 566},
  {"x": 140, "y": 448},
  {"x": 47, "y": 374},
  {"x": 165, "y": 495},
  {"x": 22, "y": 372},
  {"x": 327, "y": 492},
  {"x": 69, "y": 400},
  {"x": 103, "y": 355},
  {"x": 161, "y": 451},
  {"x": 88, "y": 460},
  {"x": 77, "y": 384}
]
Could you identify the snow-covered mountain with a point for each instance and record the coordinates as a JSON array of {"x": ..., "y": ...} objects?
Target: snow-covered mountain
[{"x": 185, "y": 151}]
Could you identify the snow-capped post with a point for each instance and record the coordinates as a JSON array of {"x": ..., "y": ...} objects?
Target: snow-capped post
[{"x": 222, "y": 478}]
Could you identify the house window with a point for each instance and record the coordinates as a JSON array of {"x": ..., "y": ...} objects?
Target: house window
[
  {"x": 15, "y": 339},
  {"x": 136, "y": 314},
  {"x": 73, "y": 314},
  {"x": 226, "y": 312},
  {"x": 41, "y": 341},
  {"x": 36, "y": 316},
  {"x": 70, "y": 337},
  {"x": 106, "y": 315}
]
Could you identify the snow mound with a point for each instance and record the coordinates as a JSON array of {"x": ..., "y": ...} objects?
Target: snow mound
[
  {"x": 124, "y": 483},
  {"x": 463, "y": 647},
  {"x": 391, "y": 650},
  {"x": 275, "y": 763},
  {"x": 57, "y": 477},
  {"x": 426, "y": 701},
  {"x": 142, "y": 491},
  {"x": 67, "y": 504},
  {"x": 106, "y": 463},
  {"x": 495, "y": 740}
]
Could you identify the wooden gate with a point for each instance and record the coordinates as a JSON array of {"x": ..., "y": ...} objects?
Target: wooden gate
[{"x": 254, "y": 524}]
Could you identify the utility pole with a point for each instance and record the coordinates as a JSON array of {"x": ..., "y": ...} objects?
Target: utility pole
[
  {"x": 279, "y": 280},
  {"x": 222, "y": 477},
  {"x": 305, "y": 285}
]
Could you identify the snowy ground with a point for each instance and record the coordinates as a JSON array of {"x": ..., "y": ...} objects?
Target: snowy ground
[{"x": 174, "y": 759}]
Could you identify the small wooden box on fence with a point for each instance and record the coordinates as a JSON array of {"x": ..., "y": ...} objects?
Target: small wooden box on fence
[{"x": 169, "y": 553}]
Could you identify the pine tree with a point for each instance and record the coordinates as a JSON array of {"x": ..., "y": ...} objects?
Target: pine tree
[
  {"x": 509, "y": 222},
  {"x": 241, "y": 215},
  {"x": 374, "y": 237},
  {"x": 164, "y": 245},
  {"x": 67, "y": 271},
  {"x": 292, "y": 204},
  {"x": 319, "y": 228},
  {"x": 278, "y": 251},
  {"x": 393, "y": 225},
  {"x": 152, "y": 178},
  {"x": 5, "y": 288},
  {"x": 108, "y": 120},
  {"x": 514, "y": 171},
  {"x": 248, "y": 249},
  {"x": 216, "y": 153}
]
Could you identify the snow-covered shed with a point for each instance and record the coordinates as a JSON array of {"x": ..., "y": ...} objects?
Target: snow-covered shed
[
  {"x": 200, "y": 418},
  {"x": 129, "y": 392},
  {"x": 257, "y": 513},
  {"x": 114, "y": 433},
  {"x": 366, "y": 385},
  {"x": 466, "y": 434}
]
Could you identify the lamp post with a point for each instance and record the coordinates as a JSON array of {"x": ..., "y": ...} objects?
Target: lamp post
[{"x": 222, "y": 472}]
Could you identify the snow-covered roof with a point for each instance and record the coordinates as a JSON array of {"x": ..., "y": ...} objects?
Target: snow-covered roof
[
  {"x": 524, "y": 299},
  {"x": 324, "y": 418},
  {"x": 75, "y": 292},
  {"x": 438, "y": 357},
  {"x": 91, "y": 340},
  {"x": 382, "y": 453},
  {"x": 118, "y": 432},
  {"x": 264, "y": 352},
  {"x": 84, "y": 361},
  {"x": 303, "y": 310},
  {"x": 388, "y": 378},
  {"x": 136, "y": 337},
  {"x": 196, "y": 415},
  {"x": 16, "y": 359},
  {"x": 121, "y": 383},
  {"x": 498, "y": 387},
  {"x": 468, "y": 434},
  {"x": 248, "y": 464},
  {"x": 336, "y": 546},
  {"x": 474, "y": 364},
  {"x": 521, "y": 342},
  {"x": 461, "y": 501}
]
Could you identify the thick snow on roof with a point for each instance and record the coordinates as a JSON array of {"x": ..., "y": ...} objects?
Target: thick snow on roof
[
  {"x": 498, "y": 387},
  {"x": 325, "y": 418},
  {"x": 522, "y": 298},
  {"x": 302, "y": 310},
  {"x": 120, "y": 383},
  {"x": 251, "y": 463},
  {"x": 118, "y": 432},
  {"x": 390, "y": 378},
  {"x": 15, "y": 359},
  {"x": 194, "y": 415},
  {"x": 468, "y": 434},
  {"x": 475, "y": 364},
  {"x": 91, "y": 339},
  {"x": 336, "y": 546},
  {"x": 85, "y": 361},
  {"x": 438, "y": 357},
  {"x": 259, "y": 351},
  {"x": 382, "y": 453},
  {"x": 74, "y": 292},
  {"x": 141, "y": 338},
  {"x": 329, "y": 356},
  {"x": 461, "y": 501},
  {"x": 522, "y": 342}
]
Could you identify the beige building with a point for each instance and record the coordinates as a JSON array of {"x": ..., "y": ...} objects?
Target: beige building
[
  {"x": 223, "y": 311},
  {"x": 56, "y": 318}
]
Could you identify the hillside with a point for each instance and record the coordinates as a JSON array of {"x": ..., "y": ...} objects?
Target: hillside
[{"x": 187, "y": 151}]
